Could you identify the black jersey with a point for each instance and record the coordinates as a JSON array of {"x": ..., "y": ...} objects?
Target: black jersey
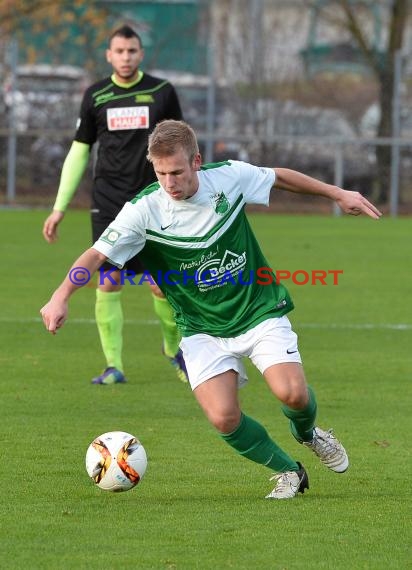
[{"x": 120, "y": 119}]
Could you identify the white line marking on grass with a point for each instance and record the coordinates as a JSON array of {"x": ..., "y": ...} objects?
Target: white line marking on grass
[
  {"x": 358, "y": 326},
  {"x": 155, "y": 322}
]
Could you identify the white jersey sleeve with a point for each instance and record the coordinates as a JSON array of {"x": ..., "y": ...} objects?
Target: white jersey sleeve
[
  {"x": 125, "y": 237},
  {"x": 256, "y": 182}
]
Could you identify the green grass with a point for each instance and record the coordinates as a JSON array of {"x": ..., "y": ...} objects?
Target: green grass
[{"x": 200, "y": 506}]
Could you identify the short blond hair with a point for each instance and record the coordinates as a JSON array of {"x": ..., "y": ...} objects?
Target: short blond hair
[{"x": 168, "y": 136}]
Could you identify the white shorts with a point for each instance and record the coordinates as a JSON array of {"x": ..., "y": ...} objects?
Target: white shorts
[{"x": 270, "y": 342}]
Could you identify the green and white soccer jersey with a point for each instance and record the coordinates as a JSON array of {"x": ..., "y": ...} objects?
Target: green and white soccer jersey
[{"x": 202, "y": 251}]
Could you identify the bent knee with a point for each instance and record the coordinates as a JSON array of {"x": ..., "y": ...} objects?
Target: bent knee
[
  {"x": 295, "y": 398},
  {"x": 225, "y": 422}
]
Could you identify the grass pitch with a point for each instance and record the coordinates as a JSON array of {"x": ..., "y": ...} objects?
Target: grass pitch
[{"x": 200, "y": 506}]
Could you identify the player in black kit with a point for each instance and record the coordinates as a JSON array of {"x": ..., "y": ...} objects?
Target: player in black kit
[{"x": 118, "y": 113}]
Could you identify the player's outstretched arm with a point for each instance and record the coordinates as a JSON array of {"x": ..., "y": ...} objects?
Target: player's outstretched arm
[
  {"x": 350, "y": 202},
  {"x": 54, "y": 313}
]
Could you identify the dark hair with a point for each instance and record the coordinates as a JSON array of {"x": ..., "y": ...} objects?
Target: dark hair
[
  {"x": 125, "y": 32},
  {"x": 170, "y": 135}
]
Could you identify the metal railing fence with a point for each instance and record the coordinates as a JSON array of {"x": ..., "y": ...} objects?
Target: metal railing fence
[{"x": 31, "y": 161}]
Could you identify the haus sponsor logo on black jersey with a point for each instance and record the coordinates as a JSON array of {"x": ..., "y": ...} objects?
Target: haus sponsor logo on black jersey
[{"x": 124, "y": 118}]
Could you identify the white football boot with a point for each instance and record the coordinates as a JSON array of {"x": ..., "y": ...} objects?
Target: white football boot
[
  {"x": 289, "y": 484},
  {"x": 329, "y": 450}
]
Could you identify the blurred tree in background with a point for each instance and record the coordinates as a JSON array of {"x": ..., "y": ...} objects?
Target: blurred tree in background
[
  {"x": 75, "y": 32},
  {"x": 79, "y": 28},
  {"x": 355, "y": 18}
]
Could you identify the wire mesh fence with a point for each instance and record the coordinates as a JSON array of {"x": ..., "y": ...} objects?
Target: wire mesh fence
[{"x": 350, "y": 163}]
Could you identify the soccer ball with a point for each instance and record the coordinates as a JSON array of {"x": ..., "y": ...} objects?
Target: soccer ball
[{"x": 116, "y": 461}]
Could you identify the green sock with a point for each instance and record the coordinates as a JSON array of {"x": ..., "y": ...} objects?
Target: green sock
[
  {"x": 251, "y": 440},
  {"x": 109, "y": 320},
  {"x": 302, "y": 421},
  {"x": 170, "y": 333}
]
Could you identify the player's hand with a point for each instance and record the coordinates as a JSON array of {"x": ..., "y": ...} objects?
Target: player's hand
[
  {"x": 354, "y": 203},
  {"x": 50, "y": 226},
  {"x": 54, "y": 315}
]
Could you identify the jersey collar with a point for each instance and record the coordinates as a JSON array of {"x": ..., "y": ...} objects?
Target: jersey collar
[{"x": 127, "y": 85}]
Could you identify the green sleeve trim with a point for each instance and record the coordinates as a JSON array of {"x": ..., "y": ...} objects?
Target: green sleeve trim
[{"x": 73, "y": 169}]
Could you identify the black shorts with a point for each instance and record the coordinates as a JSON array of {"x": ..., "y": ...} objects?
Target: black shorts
[{"x": 100, "y": 222}]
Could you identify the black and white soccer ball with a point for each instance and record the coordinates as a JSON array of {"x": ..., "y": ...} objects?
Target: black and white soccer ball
[{"x": 116, "y": 461}]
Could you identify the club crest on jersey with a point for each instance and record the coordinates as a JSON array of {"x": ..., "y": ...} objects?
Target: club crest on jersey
[
  {"x": 144, "y": 98},
  {"x": 220, "y": 203},
  {"x": 110, "y": 236}
]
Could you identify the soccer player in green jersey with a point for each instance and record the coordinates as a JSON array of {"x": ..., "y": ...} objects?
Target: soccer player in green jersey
[
  {"x": 118, "y": 112},
  {"x": 192, "y": 233}
]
